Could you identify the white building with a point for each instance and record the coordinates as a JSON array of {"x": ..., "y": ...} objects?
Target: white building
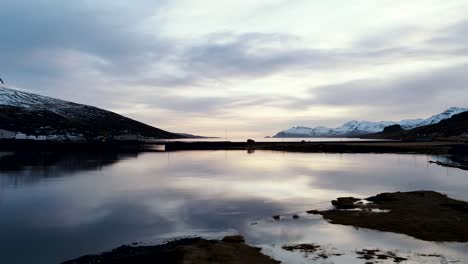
[
  {"x": 55, "y": 137},
  {"x": 31, "y": 137},
  {"x": 75, "y": 138},
  {"x": 21, "y": 136},
  {"x": 7, "y": 134},
  {"x": 128, "y": 137}
]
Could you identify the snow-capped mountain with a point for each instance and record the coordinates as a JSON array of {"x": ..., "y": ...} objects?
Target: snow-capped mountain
[
  {"x": 356, "y": 128},
  {"x": 34, "y": 114}
]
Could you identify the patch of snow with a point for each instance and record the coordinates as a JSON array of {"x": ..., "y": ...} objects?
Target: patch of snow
[
  {"x": 363, "y": 202},
  {"x": 379, "y": 210}
]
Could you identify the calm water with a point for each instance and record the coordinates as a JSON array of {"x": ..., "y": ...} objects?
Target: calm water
[
  {"x": 239, "y": 139},
  {"x": 54, "y": 207}
]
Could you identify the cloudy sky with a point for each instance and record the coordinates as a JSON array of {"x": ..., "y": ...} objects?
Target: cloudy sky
[{"x": 249, "y": 67}]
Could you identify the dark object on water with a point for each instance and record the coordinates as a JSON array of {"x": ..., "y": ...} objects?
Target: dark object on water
[
  {"x": 306, "y": 248},
  {"x": 375, "y": 254},
  {"x": 250, "y": 141},
  {"x": 461, "y": 149},
  {"x": 1, "y": 81},
  {"x": 462, "y": 166},
  {"x": 276, "y": 217},
  {"x": 295, "y": 216}
]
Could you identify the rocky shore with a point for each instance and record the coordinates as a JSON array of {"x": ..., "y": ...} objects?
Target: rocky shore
[
  {"x": 229, "y": 250},
  {"x": 425, "y": 215}
]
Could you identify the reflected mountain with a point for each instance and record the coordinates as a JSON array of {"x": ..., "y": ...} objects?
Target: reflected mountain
[{"x": 19, "y": 168}]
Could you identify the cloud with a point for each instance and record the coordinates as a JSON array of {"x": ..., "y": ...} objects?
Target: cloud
[
  {"x": 408, "y": 93},
  {"x": 102, "y": 41},
  {"x": 39, "y": 37},
  {"x": 455, "y": 34},
  {"x": 119, "y": 55}
]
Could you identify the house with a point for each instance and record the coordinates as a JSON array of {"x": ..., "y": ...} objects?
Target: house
[
  {"x": 75, "y": 138},
  {"x": 128, "y": 137},
  {"x": 21, "y": 136},
  {"x": 30, "y": 137},
  {"x": 7, "y": 134},
  {"x": 55, "y": 138},
  {"x": 41, "y": 138}
]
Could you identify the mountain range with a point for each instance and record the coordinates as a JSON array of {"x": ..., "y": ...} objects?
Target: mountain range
[
  {"x": 357, "y": 128},
  {"x": 33, "y": 114},
  {"x": 455, "y": 127}
]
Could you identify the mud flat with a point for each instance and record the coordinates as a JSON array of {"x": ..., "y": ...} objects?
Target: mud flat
[
  {"x": 425, "y": 215},
  {"x": 230, "y": 250}
]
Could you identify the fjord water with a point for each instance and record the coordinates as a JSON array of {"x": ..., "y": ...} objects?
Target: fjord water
[{"x": 55, "y": 207}]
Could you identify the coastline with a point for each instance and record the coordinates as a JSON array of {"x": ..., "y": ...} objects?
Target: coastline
[{"x": 410, "y": 147}]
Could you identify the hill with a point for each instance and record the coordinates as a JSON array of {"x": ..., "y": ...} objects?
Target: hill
[
  {"x": 34, "y": 114},
  {"x": 357, "y": 128},
  {"x": 454, "y": 127}
]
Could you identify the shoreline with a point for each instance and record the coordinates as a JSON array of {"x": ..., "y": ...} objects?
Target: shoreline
[
  {"x": 441, "y": 148},
  {"x": 425, "y": 215},
  {"x": 410, "y": 147},
  {"x": 387, "y": 146},
  {"x": 229, "y": 250}
]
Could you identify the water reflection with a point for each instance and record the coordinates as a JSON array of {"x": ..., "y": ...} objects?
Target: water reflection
[
  {"x": 114, "y": 199},
  {"x": 18, "y": 168}
]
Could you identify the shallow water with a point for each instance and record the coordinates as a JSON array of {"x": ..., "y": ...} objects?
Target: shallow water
[{"x": 54, "y": 207}]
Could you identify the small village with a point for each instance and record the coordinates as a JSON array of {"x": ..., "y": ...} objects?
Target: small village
[{"x": 12, "y": 135}]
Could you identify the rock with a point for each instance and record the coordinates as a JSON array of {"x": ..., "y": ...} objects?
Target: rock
[
  {"x": 345, "y": 203},
  {"x": 233, "y": 239},
  {"x": 183, "y": 251},
  {"x": 425, "y": 215}
]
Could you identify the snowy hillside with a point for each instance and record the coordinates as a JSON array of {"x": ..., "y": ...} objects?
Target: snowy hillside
[
  {"x": 34, "y": 102},
  {"x": 355, "y": 128},
  {"x": 41, "y": 115}
]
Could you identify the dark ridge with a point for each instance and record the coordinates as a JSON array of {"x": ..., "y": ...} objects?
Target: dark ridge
[{"x": 455, "y": 128}]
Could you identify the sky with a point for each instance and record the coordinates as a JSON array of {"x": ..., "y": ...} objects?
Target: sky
[{"x": 251, "y": 68}]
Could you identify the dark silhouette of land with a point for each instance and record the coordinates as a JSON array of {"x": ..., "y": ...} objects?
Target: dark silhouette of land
[
  {"x": 432, "y": 147},
  {"x": 425, "y": 215},
  {"x": 230, "y": 250}
]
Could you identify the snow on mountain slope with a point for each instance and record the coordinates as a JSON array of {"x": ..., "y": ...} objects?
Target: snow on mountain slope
[
  {"x": 355, "y": 128},
  {"x": 442, "y": 116},
  {"x": 32, "y": 102},
  {"x": 36, "y": 114}
]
